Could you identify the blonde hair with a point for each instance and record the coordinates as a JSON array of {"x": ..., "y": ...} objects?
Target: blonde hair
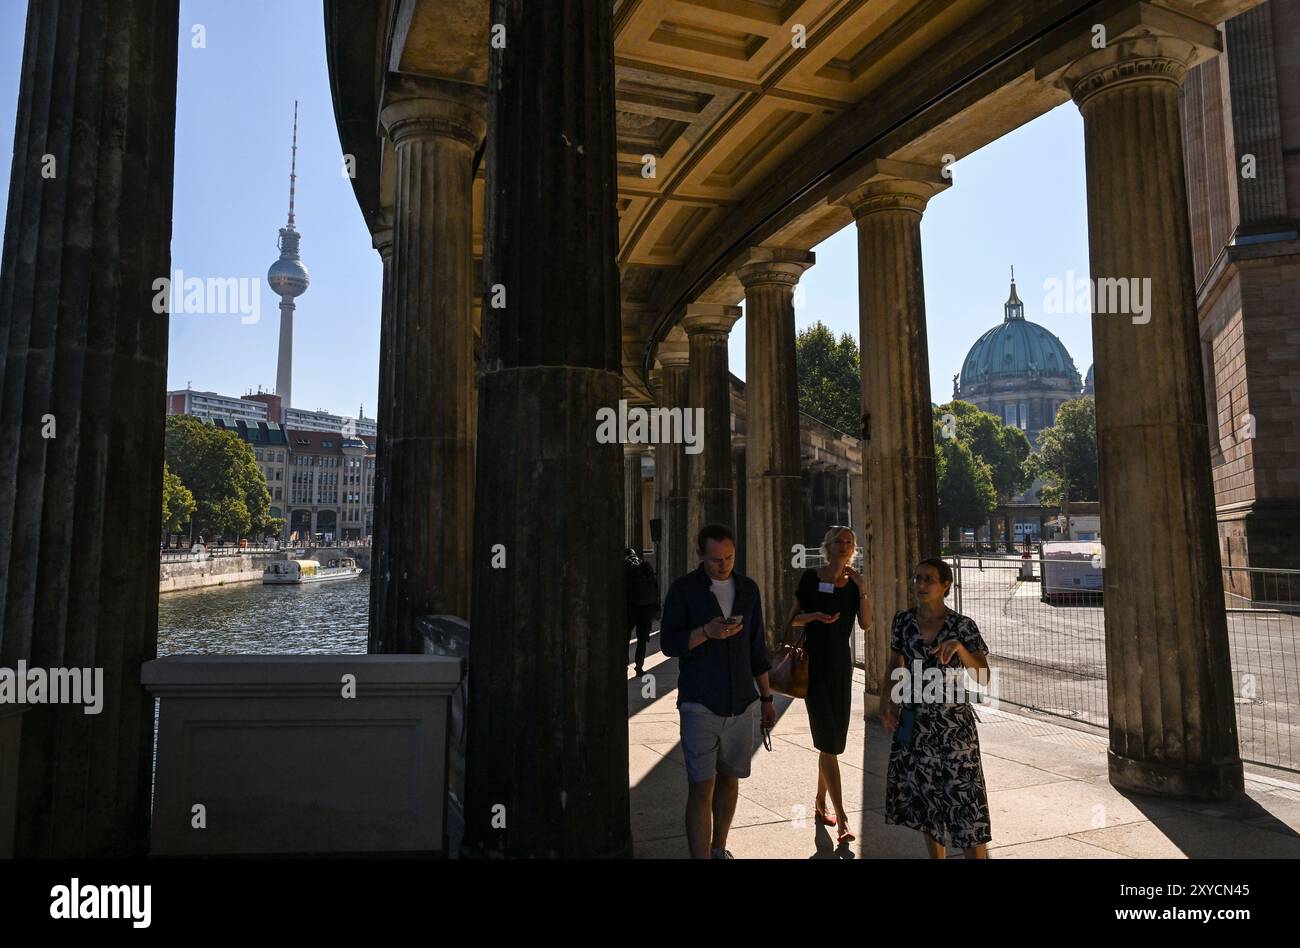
[{"x": 831, "y": 534}]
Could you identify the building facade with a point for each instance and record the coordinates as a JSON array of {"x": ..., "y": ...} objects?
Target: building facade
[
  {"x": 330, "y": 494},
  {"x": 266, "y": 407},
  {"x": 1241, "y": 130}
]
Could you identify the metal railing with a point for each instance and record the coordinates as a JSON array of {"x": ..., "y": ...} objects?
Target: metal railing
[
  {"x": 1049, "y": 647},
  {"x": 1263, "y": 607},
  {"x": 179, "y": 555}
]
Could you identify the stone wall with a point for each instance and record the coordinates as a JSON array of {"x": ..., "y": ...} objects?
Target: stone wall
[{"x": 214, "y": 571}]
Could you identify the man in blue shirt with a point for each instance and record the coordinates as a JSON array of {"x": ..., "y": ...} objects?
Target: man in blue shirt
[{"x": 713, "y": 625}]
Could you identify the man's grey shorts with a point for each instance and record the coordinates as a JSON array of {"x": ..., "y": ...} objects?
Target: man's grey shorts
[{"x": 712, "y": 742}]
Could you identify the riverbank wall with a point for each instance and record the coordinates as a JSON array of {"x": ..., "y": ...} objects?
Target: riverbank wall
[{"x": 214, "y": 571}]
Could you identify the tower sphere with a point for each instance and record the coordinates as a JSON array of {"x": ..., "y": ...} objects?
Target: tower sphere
[{"x": 288, "y": 276}]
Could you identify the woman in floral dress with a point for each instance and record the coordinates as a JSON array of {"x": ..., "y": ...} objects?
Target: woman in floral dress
[{"x": 936, "y": 781}]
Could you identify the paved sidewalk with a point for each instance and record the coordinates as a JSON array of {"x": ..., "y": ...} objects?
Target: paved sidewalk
[{"x": 1048, "y": 793}]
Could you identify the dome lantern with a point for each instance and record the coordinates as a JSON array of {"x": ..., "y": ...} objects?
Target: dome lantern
[{"x": 1013, "y": 308}]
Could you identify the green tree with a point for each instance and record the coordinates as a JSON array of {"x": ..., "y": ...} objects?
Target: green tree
[
  {"x": 830, "y": 377},
  {"x": 177, "y": 502},
  {"x": 229, "y": 490},
  {"x": 966, "y": 494},
  {"x": 1067, "y": 455},
  {"x": 1003, "y": 448}
]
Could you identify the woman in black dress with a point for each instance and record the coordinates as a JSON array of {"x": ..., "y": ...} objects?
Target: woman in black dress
[
  {"x": 828, "y": 600},
  {"x": 936, "y": 780}
]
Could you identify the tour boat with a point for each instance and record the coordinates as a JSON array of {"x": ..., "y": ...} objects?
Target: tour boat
[{"x": 300, "y": 572}]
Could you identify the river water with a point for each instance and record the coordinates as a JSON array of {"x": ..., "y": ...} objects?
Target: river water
[{"x": 253, "y": 619}]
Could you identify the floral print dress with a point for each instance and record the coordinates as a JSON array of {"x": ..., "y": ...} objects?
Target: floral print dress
[{"x": 936, "y": 781}]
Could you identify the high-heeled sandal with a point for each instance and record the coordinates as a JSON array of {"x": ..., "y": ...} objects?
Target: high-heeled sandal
[
  {"x": 845, "y": 836},
  {"x": 824, "y": 815}
]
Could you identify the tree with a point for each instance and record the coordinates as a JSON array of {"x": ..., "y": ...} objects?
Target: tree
[
  {"x": 1067, "y": 456},
  {"x": 1003, "y": 448},
  {"x": 229, "y": 490},
  {"x": 966, "y": 494},
  {"x": 177, "y": 502},
  {"x": 830, "y": 377}
]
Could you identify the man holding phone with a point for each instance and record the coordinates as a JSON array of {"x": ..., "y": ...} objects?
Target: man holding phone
[{"x": 713, "y": 625}]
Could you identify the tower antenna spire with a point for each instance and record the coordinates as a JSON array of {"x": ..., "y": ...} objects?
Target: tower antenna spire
[{"x": 293, "y": 161}]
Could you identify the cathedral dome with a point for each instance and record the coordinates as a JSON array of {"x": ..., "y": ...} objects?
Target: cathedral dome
[{"x": 1015, "y": 351}]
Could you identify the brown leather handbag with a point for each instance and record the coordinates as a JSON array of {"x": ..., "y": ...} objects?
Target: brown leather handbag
[{"x": 789, "y": 672}]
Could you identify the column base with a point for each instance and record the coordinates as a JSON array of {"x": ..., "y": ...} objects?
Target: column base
[{"x": 1220, "y": 781}]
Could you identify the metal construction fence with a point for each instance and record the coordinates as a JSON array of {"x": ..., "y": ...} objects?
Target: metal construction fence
[{"x": 1050, "y": 651}]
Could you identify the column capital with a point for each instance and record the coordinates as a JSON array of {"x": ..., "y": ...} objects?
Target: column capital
[
  {"x": 381, "y": 233},
  {"x": 768, "y": 265},
  {"x": 709, "y": 317},
  {"x": 672, "y": 355},
  {"x": 420, "y": 107},
  {"x": 1140, "y": 43},
  {"x": 885, "y": 184}
]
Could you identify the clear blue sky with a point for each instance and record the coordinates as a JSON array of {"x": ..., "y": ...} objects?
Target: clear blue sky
[{"x": 1020, "y": 200}]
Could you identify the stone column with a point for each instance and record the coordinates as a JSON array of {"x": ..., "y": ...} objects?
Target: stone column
[
  {"x": 83, "y": 383},
  {"x": 774, "y": 501},
  {"x": 672, "y": 483},
  {"x": 547, "y": 762},
  {"x": 634, "y": 528},
  {"x": 901, "y": 496},
  {"x": 1169, "y": 675},
  {"x": 738, "y": 465},
  {"x": 380, "y": 567},
  {"x": 807, "y": 479},
  {"x": 712, "y": 493},
  {"x": 842, "y": 497},
  {"x": 435, "y": 128}
]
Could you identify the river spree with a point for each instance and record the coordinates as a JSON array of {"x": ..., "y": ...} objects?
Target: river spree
[{"x": 252, "y": 619}]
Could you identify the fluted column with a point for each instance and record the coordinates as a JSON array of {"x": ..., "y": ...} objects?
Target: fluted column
[
  {"x": 547, "y": 763},
  {"x": 712, "y": 495},
  {"x": 380, "y": 567},
  {"x": 901, "y": 495},
  {"x": 634, "y": 528},
  {"x": 435, "y": 128},
  {"x": 738, "y": 466},
  {"x": 774, "y": 501},
  {"x": 672, "y": 481},
  {"x": 83, "y": 360},
  {"x": 1169, "y": 675}
]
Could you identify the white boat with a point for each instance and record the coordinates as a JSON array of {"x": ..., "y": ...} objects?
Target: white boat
[{"x": 301, "y": 572}]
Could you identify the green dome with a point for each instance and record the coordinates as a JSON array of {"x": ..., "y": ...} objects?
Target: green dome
[{"x": 1017, "y": 350}]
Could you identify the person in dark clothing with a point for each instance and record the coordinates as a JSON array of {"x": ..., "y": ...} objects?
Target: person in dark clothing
[
  {"x": 642, "y": 602},
  {"x": 828, "y": 600},
  {"x": 713, "y": 626}
]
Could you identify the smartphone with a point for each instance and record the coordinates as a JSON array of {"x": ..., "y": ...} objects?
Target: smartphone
[{"x": 735, "y": 620}]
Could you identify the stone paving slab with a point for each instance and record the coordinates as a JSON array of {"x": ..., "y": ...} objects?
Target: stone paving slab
[{"x": 1049, "y": 797}]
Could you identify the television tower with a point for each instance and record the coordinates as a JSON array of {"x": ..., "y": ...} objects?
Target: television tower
[{"x": 288, "y": 279}]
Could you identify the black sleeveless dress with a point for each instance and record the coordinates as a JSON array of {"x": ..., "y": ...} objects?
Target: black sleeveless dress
[{"x": 830, "y": 660}]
